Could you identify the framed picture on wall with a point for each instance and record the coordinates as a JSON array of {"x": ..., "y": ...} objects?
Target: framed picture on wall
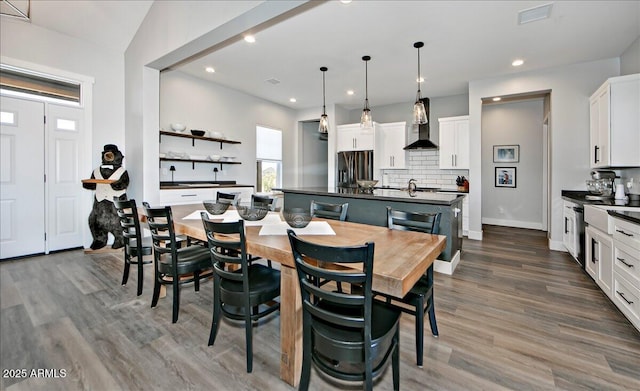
[
  {"x": 506, "y": 153},
  {"x": 506, "y": 177}
]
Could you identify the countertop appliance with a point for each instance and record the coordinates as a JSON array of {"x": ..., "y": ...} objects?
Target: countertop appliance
[{"x": 601, "y": 185}]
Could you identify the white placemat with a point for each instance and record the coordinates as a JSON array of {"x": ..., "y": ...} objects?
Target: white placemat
[
  {"x": 196, "y": 215},
  {"x": 314, "y": 228}
]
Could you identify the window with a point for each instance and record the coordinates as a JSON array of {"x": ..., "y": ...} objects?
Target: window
[
  {"x": 21, "y": 83},
  {"x": 269, "y": 158}
]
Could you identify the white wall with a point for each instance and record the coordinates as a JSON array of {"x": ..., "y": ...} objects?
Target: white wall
[
  {"x": 210, "y": 106},
  {"x": 570, "y": 88},
  {"x": 313, "y": 157},
  {"x": 37, "y": 45},
  {"x": 514, "y": 123},
  {"x": 630, "y": 59}
]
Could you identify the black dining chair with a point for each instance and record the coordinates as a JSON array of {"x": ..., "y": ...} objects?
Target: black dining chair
[
  {"x": 420, "y": 297},
  {"x": 264, "y": 200},
  {"x": 135, "y": 245},
  {"x": 348, "y": 336},
  {"x": 240, "y": 289},
  {"x": 232, "y": 198},
  {"x": 329, "y": 211},
  {"x": 174, "y": 265}
]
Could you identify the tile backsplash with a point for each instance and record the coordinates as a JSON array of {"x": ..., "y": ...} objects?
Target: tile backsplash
[{"x": 423, "y": 167}]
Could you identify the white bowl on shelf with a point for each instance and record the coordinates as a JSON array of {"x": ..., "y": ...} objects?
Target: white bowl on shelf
[
  {"x": 216, "y": 134},
  {"x": 214, "y": 158},
  {"x": 178, "y": 127}
]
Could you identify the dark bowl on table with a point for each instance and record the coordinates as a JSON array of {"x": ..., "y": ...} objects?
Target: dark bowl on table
[
  {"x": 297, "y": 217},
  {"x": 215, "y": 208},
  {"x": 196, "y": 132},
  {"x": 255, "y": 213}
]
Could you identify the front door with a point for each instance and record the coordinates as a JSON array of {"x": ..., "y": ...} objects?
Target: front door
[{"x": 22, "y": 186}]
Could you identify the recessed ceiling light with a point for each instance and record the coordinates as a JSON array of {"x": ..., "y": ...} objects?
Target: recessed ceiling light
[
  {"x": 345, "y": 1},
  {"x": 350, "y": 92},
  {"x": 292, "y": 100},
  {"x": 497, "y": 99},
  {"x": 249, "y": 38},
  {"x": 209, "y": 69},
  {"x": 517, "y": 63}
]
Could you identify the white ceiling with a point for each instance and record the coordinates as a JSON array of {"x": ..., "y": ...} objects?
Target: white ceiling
[{"x": 464, "y": 40}]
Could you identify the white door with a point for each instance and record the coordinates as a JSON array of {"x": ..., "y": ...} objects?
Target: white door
[
  {"x": 65, "y": 130},
  {"x": 22, "y": 188}
]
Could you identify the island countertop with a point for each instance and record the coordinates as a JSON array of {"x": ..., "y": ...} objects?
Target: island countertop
[{"x": 419, "y": 197}]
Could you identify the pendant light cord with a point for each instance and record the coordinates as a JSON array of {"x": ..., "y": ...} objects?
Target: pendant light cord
[
  {"x": 324, "y": 107},
  {"x": 419, "y": 94}
]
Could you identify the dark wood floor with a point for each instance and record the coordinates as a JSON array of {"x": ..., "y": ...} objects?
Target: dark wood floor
[{"x": 514, "y": 316}]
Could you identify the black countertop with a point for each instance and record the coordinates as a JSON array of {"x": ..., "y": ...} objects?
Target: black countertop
[
  {"x": 627, "y": 215},
  {"x": 580, "y": 197},
  {"x": 420, "y": 197}
]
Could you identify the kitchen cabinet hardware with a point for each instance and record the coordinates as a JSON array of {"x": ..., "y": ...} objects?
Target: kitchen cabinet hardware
[
  {"x": 622, "y": 260},
  {"x": 624, "y": 233},
  {"x": 621, "y": 294}
]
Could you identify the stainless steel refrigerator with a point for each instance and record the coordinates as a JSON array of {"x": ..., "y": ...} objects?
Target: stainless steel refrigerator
[{"x": 353, "y": 166}]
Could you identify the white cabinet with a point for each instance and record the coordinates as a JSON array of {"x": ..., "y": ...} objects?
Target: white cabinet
[
  {"x": 465, "y": 216},
  {"x": 626, "y": 269},
  {"x": 569, "y": 235},
  {"x": 454, "y": 142},
  {"x": 391, "y": 138},
  {"x": 193, "y": 196},
  {"x": 599, "y": 258},
  {"x": 354, "y": 138},
  {"x": 614, "y": 121}
]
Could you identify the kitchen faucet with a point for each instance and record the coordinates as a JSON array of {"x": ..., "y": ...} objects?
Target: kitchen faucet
[{"x": 412, "y": 186}]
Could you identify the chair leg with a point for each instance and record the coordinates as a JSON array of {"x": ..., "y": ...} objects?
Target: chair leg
[
  {"x": 305, "y": 374},
  {"x": 127, "y": 264},
  {"x": 419, "y": 331},
  {"x": 156, "y": 288},
  {"x": 176, "y": 298},
  {"x": 196, "y": 281},
  {"x": 215, "y": 321},
  {"x": 432, "y": 319},
  {"x": 248, "y": 327},
  {"x": 140, "y": 276},
  {"x": 395, "y": 361}
]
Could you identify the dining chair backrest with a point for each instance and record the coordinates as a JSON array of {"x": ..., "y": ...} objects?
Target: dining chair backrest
[
  {"x": 227, "y": 249},
  {"x": 413, "y": 221},
  {"x": 129, "y": 220},
  {"x": 338, "y": 326},
  {"x": 160, "y": 221},
  {"x": 232, "y": 198},
  {"x": 329, "y": 211},
  {"x": 264, "y": 200}
]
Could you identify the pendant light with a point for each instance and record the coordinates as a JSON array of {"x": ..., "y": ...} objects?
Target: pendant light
[
  {"x": 324, "y": 119},
  {"x": 366, "y": 121},
  {"x": 419, "y": 112}
]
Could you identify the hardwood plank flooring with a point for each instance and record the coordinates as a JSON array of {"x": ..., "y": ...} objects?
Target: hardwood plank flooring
[{"x": 514, "y": 316}]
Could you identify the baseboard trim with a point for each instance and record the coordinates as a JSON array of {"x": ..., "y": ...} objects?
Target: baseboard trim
[
  {"x": 512, "y": 223},
  {"x": 556, "y": 245},
  {"x": 475, "y": 235},
  {"x": 447, "y": 267}
]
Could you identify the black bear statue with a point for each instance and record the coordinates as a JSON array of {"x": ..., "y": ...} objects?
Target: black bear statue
[{"x": 104, "y": 217}]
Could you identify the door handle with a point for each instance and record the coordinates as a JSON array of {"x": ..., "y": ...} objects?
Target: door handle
[
  {"x": 594, "y": 243},
  {"x": 595, "y": 157},
  {"x": 566, "y": 221},
  {"x": 624, "y": 233},
  {"x": 624, "y": 298},
  {"x": 626, "y": 264}
]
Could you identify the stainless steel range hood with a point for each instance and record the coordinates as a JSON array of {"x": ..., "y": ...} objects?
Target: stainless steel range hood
[{"x": 423, "y": 141}]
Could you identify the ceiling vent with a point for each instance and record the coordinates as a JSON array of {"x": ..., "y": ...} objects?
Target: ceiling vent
[
  {"x": 535, "y": 13},
  {"x": 273, "y": 81}
]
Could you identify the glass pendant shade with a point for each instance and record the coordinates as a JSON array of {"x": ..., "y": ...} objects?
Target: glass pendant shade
[
  {"x": 324, "y": 124},
  {"x": 419, "y": 112},
  {"x": 323, "y": 127},
  {"x": 366, "y": 121}
]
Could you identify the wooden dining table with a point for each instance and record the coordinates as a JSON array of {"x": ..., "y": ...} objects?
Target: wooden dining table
[{"x": 400, "y": 258}]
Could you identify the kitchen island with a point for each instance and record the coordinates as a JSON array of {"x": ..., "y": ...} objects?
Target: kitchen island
[{"x": 370, "y": 207}]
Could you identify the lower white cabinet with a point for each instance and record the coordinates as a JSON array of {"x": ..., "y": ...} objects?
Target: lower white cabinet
[
  {"x": 569, "y": 221},
  {"x": 191, "y": 196},
  {"x": 465, "y": 216},
  {"x": 626, "y": 269},
  {"x": 599, "y": 258}
]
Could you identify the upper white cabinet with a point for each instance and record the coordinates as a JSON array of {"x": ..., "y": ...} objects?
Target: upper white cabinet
[
  {"x": 615, "y": 123},
  {"x": 391, "y": 138},
  {"x": 454, "y": 142},
  {"x": 354, "y": 138}
]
